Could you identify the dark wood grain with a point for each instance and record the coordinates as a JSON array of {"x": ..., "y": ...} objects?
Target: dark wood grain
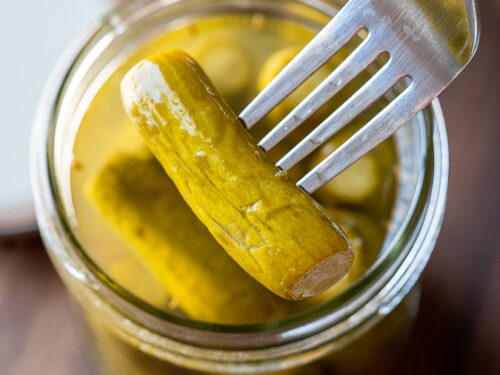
[
  {"x": 458, "y": 327},
  {"x": 38, "y": 334}
]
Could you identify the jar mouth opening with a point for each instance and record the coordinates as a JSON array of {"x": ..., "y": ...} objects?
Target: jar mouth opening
[{"x": 386, "y": 277}]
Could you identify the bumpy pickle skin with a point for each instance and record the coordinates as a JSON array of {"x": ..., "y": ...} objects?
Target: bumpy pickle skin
[
  {"x": 143, "y": 206},
  {"x": 270, "y": 227}
]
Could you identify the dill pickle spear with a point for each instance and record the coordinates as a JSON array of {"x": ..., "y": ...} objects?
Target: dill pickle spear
[
  {"x": 142, "y": 205},
  {"x": 269, "y": 226}
]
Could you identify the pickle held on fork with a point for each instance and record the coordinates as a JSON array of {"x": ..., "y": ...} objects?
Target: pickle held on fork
[{"x": 274, "y": 230}]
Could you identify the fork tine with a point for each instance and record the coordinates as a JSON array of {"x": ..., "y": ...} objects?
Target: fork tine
[
  {"x": 317, "y": 52},
  {"x": 378, "y": 129},
  {"x": 376, "y": 86},
  {"x": 357, "y": 61}
]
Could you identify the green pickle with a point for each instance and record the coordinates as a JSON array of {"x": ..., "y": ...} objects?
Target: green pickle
[
  {"x": 251, "y": 207},
  {"x": 192, "y": 217}
]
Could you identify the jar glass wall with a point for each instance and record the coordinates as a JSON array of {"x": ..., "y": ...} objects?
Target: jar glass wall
[{"x": 133, "y": 336}]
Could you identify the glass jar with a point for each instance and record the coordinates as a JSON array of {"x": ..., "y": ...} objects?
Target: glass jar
[{"x": 348, "y": 333}]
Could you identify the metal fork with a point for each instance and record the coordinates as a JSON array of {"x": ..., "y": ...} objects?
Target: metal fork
[{"x": 412, "y": 32}]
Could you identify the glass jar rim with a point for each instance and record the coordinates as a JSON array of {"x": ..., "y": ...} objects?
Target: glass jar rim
[{"x": 378, "y": 291}]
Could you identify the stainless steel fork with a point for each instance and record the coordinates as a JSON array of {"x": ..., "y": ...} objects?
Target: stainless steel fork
[{"x": 421, "y": 40}]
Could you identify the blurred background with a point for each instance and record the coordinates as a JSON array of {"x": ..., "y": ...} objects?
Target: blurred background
[{"x": 457, "y": 329}]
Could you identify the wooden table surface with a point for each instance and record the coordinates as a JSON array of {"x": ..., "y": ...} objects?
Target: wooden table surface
[{"x": 458, "y": 327}]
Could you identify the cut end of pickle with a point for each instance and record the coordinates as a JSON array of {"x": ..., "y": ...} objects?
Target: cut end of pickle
[{"x": 323, "y": 275}]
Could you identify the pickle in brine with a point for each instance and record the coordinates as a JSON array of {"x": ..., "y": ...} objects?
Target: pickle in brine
[{"x": 145, "y": 209}]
